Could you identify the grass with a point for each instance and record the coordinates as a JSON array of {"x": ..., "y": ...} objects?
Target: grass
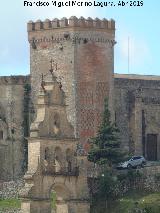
[
  {"x": 53, "y": 200},
  {"x": 10, "y": 204},
  {"x": 149, "y": 202}
]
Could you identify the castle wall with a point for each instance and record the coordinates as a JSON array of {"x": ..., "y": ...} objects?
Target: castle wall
[
  {"x": 11, "y": 126},
  {"x": 137, "y": 112},
  {"x": 137, "y": 103}
]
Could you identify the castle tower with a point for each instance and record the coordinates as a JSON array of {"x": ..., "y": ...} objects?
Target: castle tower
[{"x": 83, "y": 54}]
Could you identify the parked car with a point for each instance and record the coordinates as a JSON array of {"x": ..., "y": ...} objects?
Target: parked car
[{"x": 135, "y": 161}]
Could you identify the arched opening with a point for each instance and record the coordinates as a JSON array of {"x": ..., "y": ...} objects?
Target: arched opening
[
  {"x": 2, "y": 113},
  {"x": 58, "y": 159},
  {"x": 56, "y": 125},
  {"x": 3, "y": 130},
  {"x": 46, "y": 158},
  {"x": 46, "y": 154},
  {"x": 4, "y": 173},
  {"x": 1, "y": 135},
  {"x": 59, "y": 195},
  {"x": 69, "y": 160}
]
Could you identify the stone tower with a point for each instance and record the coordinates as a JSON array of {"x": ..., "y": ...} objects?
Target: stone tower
[{"x": 83, "y": 54}]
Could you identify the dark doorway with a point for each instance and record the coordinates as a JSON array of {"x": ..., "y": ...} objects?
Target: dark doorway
[
  {"x": 152, "y": 147},
  {"x": 1, "y": 135}
]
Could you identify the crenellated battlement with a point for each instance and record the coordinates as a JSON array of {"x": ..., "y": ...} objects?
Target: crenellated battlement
[
  {"x": 14, "y": 80},
  {"x": 72, "y": 22}
]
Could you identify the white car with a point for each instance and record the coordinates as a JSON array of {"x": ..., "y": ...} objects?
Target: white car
[{"x": 135, "y": 161}]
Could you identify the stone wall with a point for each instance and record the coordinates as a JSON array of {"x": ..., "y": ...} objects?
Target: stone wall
[
  {"x": 12, "y": 126},
  {"x": 9, "y": 190},
  {"x": 137, "y": 110},
  {"x": 146, "y": 179},
  {"x": 11, "y": 211}
]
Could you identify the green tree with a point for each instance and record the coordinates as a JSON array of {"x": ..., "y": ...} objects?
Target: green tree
[
  {"x": 105, "y": 151},
  {"x": 105, "y": 147}
]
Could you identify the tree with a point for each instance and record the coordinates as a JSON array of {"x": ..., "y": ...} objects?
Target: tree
[
  {"x": 105, "y": 147},
  {"x": 105, "y": 150}
]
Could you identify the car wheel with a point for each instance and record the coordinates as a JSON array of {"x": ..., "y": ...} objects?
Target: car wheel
[{"x": 129, "y": 166}]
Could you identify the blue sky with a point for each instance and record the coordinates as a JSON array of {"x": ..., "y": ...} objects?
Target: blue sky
[{"x": 140, "y": 24}]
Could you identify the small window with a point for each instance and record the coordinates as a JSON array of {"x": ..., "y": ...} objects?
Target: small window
[
  {"x": 1, "y": 135},
  {"x": 46, "y": 153}
]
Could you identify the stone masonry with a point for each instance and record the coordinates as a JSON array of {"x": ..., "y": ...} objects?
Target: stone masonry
[
  {"x": 12, "y": 158},
  {"x": 137, "y": 110}
]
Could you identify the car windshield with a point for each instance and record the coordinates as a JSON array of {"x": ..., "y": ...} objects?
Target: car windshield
[{"x": 136, "y": 157}]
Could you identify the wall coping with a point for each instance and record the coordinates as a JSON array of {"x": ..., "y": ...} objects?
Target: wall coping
[
  {"x": 137, "y": 77},
  {"x": 14, "y": 79}
]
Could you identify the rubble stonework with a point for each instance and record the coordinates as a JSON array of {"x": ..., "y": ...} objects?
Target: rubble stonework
[
  {"x": 9, "y": 190},
  {"x": 11, "y": 127},
  {"x": 137, "y": 108},
  {"x": 11, "y": 211}
]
